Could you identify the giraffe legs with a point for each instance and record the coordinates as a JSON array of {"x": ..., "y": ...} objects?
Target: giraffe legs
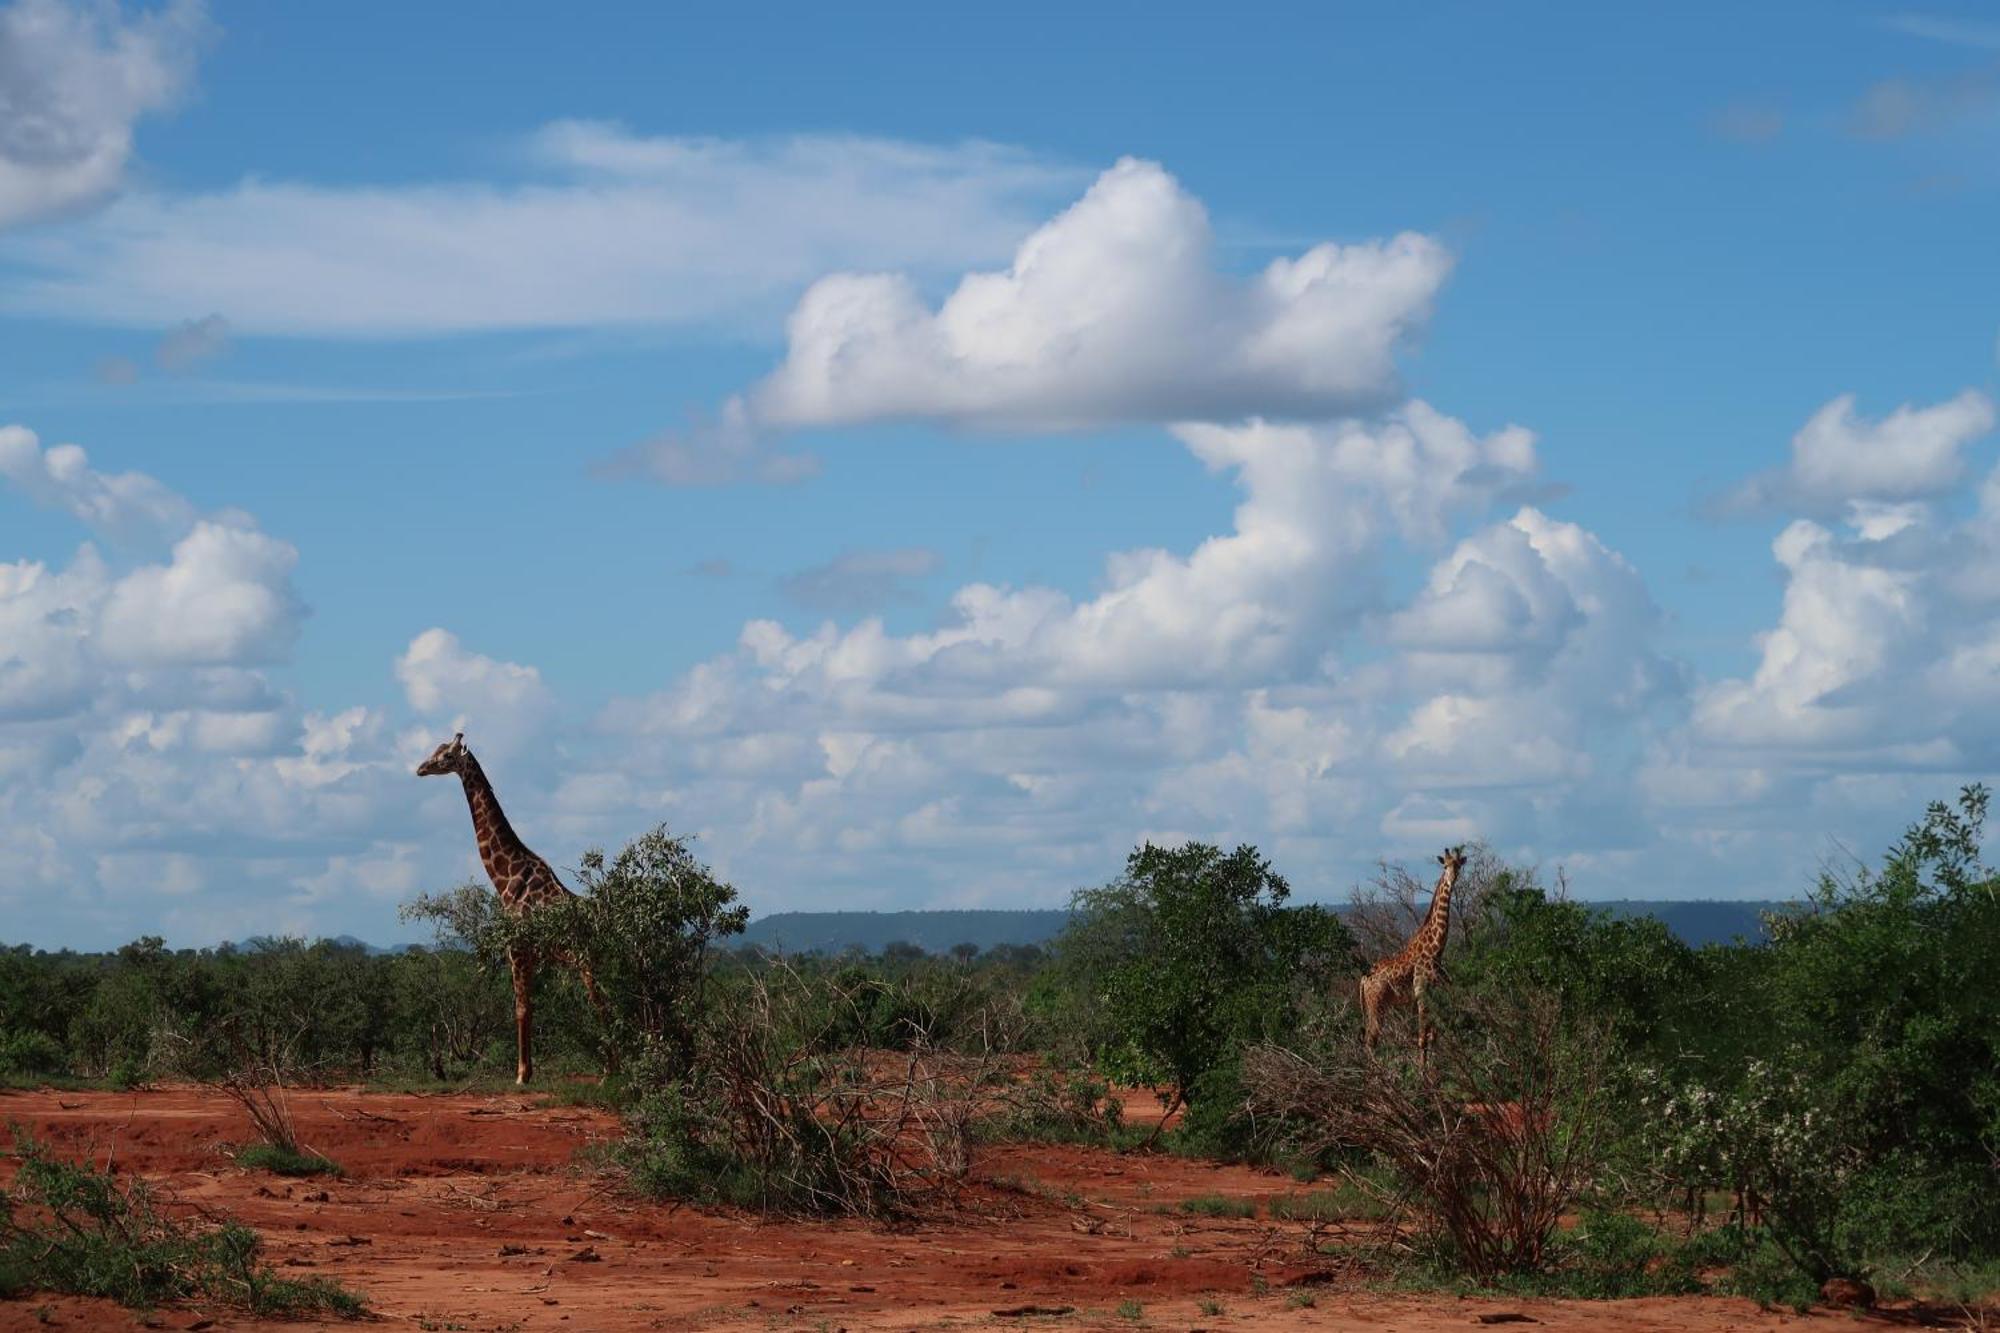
[
  {"x": 1371, "y": 1014},
  {"x": 523, "y": 968}
]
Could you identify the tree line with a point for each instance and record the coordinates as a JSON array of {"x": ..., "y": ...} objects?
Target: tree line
[{"x": 1820, "y": 1102}]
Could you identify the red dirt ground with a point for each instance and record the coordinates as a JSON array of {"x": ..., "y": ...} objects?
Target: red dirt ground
[{"x": 471, "y": 1212}]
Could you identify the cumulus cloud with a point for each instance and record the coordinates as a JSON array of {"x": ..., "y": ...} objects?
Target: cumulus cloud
[
  {"x": 124, "y": 506},
  {"x": 501, "y": 703},
  {"x": 1841, "y": 459},
  {"x": 608, "y": 228},
  {"x": 1875, "y": 688},
  {"x": 1115, "y": 310},
  {"x": 152, "y": 775},
  {"x": 1870, "y": 648},
  {"x": 224, "y": 598},
  {"x": 75, "y": 79},
  {"x": 1265, "y": 684}
]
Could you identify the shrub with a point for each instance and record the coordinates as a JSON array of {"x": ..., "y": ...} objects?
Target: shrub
[
  {"x": 67, "y": 1227},
  {"x": 1492, "y": 1144},
  {"x": 31, "y": 1055},
  {"x": 770, "y": 1115},
  {"x": 644, "y": 925},
  {"x": 1189, "y": 955},
  {"x": 1059, "y": 1104},
  {"x": 1865, "y": 1124}
]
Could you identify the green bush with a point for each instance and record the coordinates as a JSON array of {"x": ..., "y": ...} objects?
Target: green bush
[
  {"x": 31, "y": 1055},
  {"x": 67, "y": 1227},
  {"x": 1187, "y": 957},
  {"x": 1864, "y": 1126},
  {"x": 1059, "y": 1103},
  {"x": 644, "y": 924}
]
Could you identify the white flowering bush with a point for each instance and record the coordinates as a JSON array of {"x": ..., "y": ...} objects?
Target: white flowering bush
[{"x": 1774, "y": 1141}]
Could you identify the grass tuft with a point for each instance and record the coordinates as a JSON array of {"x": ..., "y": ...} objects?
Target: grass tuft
[
  {"x": 286, "y": 1161},
  {"x": 1216, "y": 1205}
]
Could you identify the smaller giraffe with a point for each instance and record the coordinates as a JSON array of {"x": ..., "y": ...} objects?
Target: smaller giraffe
[
  {"x": 1404, "y": 978},
  {"x": 523, "y": 880}
]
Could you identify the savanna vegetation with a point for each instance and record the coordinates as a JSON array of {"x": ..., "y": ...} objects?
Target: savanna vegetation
[{"x": 1607, "y": 1110}]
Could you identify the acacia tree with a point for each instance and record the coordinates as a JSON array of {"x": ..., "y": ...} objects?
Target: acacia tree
[{"x": 1191, "y": 953}]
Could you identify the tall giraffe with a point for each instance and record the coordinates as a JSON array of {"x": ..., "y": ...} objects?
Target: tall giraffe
[
  {"x": 1404, "y": 977},
  {"x": 523, "y": 880}
]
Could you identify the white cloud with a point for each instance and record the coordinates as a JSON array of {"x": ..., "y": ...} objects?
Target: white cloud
[
  {"x": 125, "y": 506},
  {"x": 1841, "y": 458},
  {"x": 224, "y": 598},
  {"x": 74, "y": 81},
  {"x": 152, "y": 634},
  {"x": 1262, "y": 685},
  {"x": 1875, "y": 688},
  {"x": 610, "y": 228},
  {"x": 143, "y": 749},
  {"x": 500, "y": 704},
  {"x": 1114, "y": 310}
]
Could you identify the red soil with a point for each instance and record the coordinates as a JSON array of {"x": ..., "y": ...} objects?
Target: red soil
[{"x": 471, "y": 1212}]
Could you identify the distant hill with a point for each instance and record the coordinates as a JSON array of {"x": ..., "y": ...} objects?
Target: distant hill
[
  {"x": 1697, "y": 922},
  {"x": 1702, "y": 921}
]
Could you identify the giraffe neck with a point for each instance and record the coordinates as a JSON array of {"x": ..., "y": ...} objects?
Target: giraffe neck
[
  {"x": 500, "y": 848},
  {"x": 1437, "y": 921}
]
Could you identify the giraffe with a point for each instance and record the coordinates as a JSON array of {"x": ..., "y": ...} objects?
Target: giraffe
[
  {"x": 523, "y": 880},
  {"x": 1404, "y": 977}
]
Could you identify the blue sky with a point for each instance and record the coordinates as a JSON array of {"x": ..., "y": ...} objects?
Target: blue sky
[{"x": 924, "y": 454}]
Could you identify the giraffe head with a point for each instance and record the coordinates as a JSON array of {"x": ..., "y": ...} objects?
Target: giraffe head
[
  {"x": 449, "y": 757},
  {"x": 1453, "y": 861}
]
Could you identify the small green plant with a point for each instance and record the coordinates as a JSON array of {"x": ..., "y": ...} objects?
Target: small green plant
[
  {"x": 1301, "y": 1299},
  {"x": 286, "y": 1161},
  {"x": 1131, "y": 1310},
  {"x": 67, "y": 1227},
  {"x": 1216, "y": 1205},
  {"x": 1346, "y": 1203},
  {"x": 1209, "y": 1306}
]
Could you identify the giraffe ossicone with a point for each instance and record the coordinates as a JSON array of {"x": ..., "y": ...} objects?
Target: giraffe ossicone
[{"x": 523, "y": 881}]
